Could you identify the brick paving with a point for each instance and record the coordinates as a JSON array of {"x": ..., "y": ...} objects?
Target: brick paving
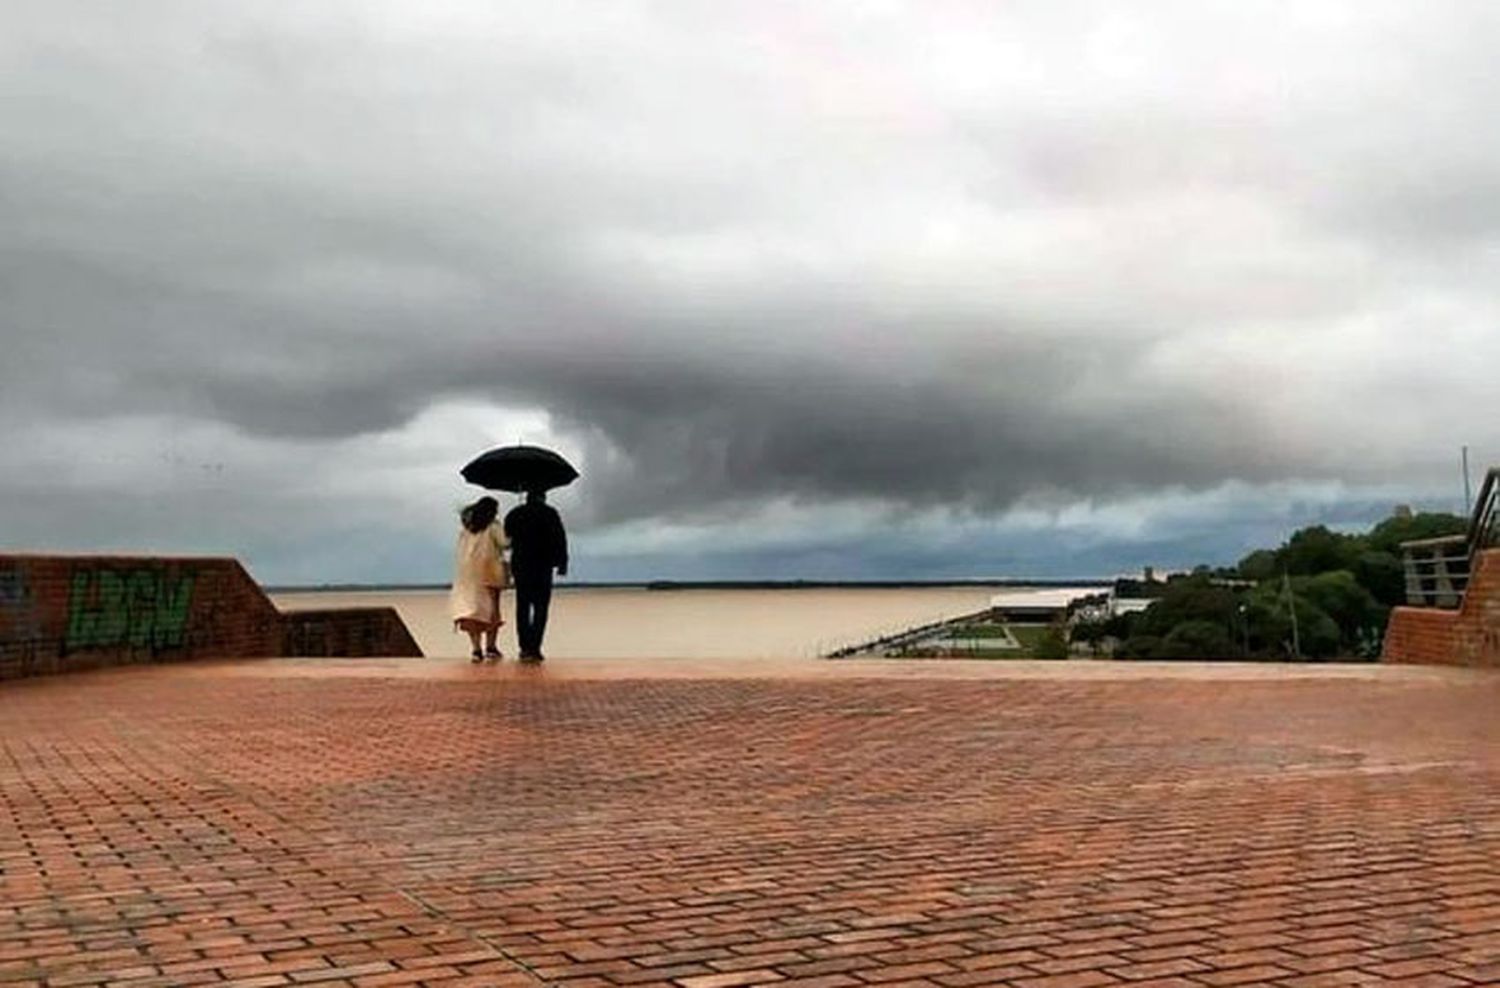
[{"x": 283, "y": 823}]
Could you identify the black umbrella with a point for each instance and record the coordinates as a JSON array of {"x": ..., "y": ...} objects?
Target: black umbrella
[{"x": 520, "y": 468}]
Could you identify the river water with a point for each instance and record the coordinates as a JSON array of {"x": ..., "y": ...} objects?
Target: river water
[{"x": 687, "y": 624}]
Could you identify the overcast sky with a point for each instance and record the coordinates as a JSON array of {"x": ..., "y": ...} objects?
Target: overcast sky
[{"x": 827, "y": 289}]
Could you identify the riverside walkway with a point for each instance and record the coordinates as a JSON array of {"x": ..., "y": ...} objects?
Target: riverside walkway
[{"x": 709, "y": 825}]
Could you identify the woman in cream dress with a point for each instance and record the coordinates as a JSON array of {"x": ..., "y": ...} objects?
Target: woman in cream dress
[{"x": 479, "y": 574}]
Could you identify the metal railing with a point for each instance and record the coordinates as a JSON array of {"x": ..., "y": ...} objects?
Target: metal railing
[
  {"x": 1437, "y": 570},
  {"x": 1484, "y": 523}
]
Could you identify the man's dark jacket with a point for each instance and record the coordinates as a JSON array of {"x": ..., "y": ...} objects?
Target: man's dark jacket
[{"x": 537, "y": 540}]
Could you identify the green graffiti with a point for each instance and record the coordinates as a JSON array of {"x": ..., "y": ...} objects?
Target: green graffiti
[
  {"x": 141, "y": 608},
  {"x": 172, "y": 613}
]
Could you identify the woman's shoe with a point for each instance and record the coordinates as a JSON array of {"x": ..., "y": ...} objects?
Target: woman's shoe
[
  {"x": 476, "y": 656},
  {"x": 493, "y": 654}
]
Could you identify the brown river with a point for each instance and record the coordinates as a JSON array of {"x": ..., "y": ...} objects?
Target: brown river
[{"x": 681, "y": 624}]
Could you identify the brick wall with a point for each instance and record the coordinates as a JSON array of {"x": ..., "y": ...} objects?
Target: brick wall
[
  {"x": 1469, "y": 636},
  {"x": 348, "y": 631},
  {"x": 68, "y": 613}
]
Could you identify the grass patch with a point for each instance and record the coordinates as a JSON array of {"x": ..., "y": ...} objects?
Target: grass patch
[
  {"x": 1028, "y": 635},
  {"x": 976, "y": 631}
]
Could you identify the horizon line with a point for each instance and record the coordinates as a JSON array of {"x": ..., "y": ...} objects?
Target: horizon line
[{"x": 810, "y": 584}]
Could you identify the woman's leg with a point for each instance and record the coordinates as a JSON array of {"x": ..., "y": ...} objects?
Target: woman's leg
[
  {"x": 493, "y": 631},
  {"x": 472, "y": 629}
]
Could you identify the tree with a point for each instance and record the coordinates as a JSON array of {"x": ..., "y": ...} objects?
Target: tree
[
  {"x": 1383, "y": 574},
  {"x": 1343, "y": 589},
  {"x": 1351, "y": 606},
  {"x": 1315, "y": 550},
  {"x": 1091, "y": 633},
  {"x": 1120, "y": 626},
  {"x": 1269, "y": 623},
  {"x": 1389, "y": 534},
  {"x": 1199, "y": 640},
  {"x": 1054, "y": 643},
  {"x": 1318, "y": 633},
  {"x": 1194, "y": 599},
  {"x": 1258, "y": 565},
  {"x": 1139, "y": 647}
]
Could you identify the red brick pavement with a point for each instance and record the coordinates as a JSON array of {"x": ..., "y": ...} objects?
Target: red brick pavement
[{"x": 162, "y": 826}]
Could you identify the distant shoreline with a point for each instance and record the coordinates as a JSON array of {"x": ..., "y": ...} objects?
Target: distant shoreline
[{"x": 1092, "y": 581}]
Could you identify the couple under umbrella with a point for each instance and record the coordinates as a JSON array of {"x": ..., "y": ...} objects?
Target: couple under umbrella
[{"x": 533, "y": 534}]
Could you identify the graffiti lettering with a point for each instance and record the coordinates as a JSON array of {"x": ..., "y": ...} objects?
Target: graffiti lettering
[
  {"x": 18, "y": 617},
  {"x": 143, "y": 608}
]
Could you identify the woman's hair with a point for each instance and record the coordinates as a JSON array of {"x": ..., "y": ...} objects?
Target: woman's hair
[{"x": 479, "y": 515}]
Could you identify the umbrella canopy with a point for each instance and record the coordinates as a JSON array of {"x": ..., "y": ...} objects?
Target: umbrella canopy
[{"x": 519, "y": 468}]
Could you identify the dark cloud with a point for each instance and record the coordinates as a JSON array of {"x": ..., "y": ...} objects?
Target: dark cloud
[{"x": 965, "y": 258}]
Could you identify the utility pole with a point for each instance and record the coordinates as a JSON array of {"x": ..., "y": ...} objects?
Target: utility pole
[
  {"x": 1291, "y": 606},
  {"x": 1468, "y": 497}
]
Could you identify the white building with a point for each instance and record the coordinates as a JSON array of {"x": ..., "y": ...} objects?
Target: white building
[{"x": 1042, "y": 605}]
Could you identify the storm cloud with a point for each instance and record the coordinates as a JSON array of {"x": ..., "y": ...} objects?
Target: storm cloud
[{"x": 900, "y": 286}]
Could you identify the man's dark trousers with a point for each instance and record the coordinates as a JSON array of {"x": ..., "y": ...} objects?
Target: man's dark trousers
[{"x": 533, "y": 597}]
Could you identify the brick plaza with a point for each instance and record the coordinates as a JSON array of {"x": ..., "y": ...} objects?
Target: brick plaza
[{"x": 417, "y": 822}]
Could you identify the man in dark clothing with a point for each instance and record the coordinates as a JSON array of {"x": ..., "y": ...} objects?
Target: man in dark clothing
[{"x": 538, "y": 545}]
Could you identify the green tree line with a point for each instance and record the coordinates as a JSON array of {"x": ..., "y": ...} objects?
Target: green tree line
[{"x": 1340, "y": 586}]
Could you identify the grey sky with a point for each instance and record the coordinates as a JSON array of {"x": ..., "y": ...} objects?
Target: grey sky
[{"x": 837, "y": 289}]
